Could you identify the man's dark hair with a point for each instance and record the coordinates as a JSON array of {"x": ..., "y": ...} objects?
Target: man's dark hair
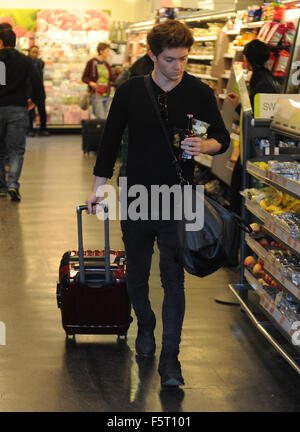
[
  {"x": 8, "y": 38},
  {"x": 169, "y": 34},
  {"x": 33, "y": 46},
  {"x": 256, "y": 52},
  {"x": 5, "y": 26}
]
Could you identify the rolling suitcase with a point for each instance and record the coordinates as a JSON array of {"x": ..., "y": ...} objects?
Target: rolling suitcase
[
  {"x": 92, "y": 131},
  {"x": 91, "y": 292}
]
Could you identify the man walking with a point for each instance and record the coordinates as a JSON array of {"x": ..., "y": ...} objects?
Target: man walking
[
  {"x": 39, "y": 64},
  {"x": 150, "y": 163},
  {"x": 19, "y": 70}
]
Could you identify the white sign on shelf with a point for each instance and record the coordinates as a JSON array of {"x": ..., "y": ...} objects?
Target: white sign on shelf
[{"x": 265, "y": 104}]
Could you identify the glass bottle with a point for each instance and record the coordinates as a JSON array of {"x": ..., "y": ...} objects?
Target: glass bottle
[{"x": 186, "y": 133}]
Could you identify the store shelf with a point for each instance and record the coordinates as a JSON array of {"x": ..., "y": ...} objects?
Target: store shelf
[
  {"x": 205, "y": 38},
  {"x": 252, "y": 25},
  {"x": 225, "y": 76},
  {"x": 232, "y": 33},
  {"x": 256, "y": 247},
  {"x": 258, "y": 288},
  {"x": 283, "y": 129},
  {"x": 263, "y": 327},
  {"x": 276, "y": 180},
  {"x": 281, "y": 279},
  {"x": 272, "y": 227},
  {"x": 254, "y": 208},
  {"x": 285, "y": 326},
  {"x": 273, "y": 270},
  {"x": 275, "y": 231},
  {"x": 229, "y": 56},
  {"x": 204, "y": 159},
  {"x": 204, "y": 76},
  {"x": 201, "y": 57}
]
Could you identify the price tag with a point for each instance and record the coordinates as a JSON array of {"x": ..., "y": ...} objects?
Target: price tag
[
  {"x": 284, "y": 182},
  {"x": 281, "y": 320},
  {"x": 272, "y": 309}
]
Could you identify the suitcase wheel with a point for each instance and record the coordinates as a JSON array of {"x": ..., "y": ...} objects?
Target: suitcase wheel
[{"x": 120, "y": 338}]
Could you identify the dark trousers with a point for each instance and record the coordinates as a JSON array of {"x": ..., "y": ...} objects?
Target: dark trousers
[
  {"x": 13, "y": 126},
  {"x": 139, "y": 237},
  {"x": 42, "y": 113}
]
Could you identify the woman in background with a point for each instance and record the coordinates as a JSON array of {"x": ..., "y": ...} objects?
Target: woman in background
[{"x": 98, "y": 75}]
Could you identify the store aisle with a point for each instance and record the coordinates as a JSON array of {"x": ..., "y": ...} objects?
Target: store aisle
[{"x": 226, "y": 364}]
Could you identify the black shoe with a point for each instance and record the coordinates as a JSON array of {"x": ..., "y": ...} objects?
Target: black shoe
[
  {"x": 3, "y": 194},
  {"x": 14, "y": 194},
  {"x": 145, "y": 341},
  {"x": 170, "y": 370}
]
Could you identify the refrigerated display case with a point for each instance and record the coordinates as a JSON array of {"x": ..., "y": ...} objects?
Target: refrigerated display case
[{"x": 270, "y": 256}]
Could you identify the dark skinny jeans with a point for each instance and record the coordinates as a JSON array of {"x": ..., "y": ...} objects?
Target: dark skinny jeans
[{"x": 139, "y": 237}]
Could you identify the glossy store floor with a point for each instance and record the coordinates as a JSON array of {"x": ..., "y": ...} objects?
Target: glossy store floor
[{"x": 227, "y": 365}]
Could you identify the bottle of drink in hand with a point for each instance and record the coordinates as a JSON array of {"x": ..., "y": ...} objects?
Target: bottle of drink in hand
[{"x": 186, "y": 133}]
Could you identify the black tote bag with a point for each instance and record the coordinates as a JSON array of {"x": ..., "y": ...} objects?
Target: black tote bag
[{"x": 203, "y": 251}]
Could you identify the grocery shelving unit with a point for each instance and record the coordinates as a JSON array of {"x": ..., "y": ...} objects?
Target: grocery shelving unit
[{"x": 278, "y": 326}]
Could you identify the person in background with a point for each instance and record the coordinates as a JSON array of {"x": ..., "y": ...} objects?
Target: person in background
[
  {"x": 98, "y": 75},
  {"x": 255, "y": 55},
  {"x": 39, "y": 64},
  {"x": 150, "y": 163},
  {"x": 14, "y": 111},
  {"x": 142, "y": 66}
]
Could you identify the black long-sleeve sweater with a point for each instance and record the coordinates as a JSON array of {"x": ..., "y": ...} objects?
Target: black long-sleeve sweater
[
  {"x": 149, "y": 157},
  {"x": 20, "y": 72}
]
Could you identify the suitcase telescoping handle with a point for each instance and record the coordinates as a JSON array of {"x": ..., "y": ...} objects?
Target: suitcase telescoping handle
[{"x": 80, "y": 209}]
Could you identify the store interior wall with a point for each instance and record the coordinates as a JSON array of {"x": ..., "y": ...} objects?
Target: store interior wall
[
  {"x": 129, "y": 10},
  {"x": 121, "y": 10}
]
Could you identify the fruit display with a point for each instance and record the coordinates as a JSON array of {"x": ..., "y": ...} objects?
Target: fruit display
[
  {"x": 273, "y": 201},
  {"x": 283, "y": 260},
  {"x": 288, "y": 306},
  {"x": 256, "y": 267},
  {"x": 290, "y": 170}
]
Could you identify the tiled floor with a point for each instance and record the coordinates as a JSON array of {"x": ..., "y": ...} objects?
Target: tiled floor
[{"x": 226, "y": 363}]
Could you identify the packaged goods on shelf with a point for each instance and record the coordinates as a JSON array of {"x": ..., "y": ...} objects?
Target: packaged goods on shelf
[{"x": 65, "y": 54}]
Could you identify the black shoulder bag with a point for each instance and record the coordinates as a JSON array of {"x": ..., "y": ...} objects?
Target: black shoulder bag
[{"x": 203, "y": 251}]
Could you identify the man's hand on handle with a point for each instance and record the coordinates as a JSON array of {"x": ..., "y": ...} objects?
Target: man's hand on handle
[{"x": 96, "y": 196}]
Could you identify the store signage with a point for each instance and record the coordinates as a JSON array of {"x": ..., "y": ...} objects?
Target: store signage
[
  {"x": 265, "y": 104},
  {"x": 2, "y": 73}
]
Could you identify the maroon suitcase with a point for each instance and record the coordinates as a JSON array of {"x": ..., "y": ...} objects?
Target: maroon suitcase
[{"x": 91, "y": 292}]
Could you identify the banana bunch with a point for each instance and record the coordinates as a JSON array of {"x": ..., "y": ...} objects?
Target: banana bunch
[
  {"x": 261, "y": 165},
  {"x": 277, "y": 202}
]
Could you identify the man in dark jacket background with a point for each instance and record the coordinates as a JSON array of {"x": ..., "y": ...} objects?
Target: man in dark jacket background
[
  {"x": 39, "y": 64},
  {"x": 19, "y": 70}
]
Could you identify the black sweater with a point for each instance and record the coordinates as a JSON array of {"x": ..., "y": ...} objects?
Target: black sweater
[
  {"x": 262, "y": 81},
  {"x": 149, "y": 157},
  {"x": 20, "y": 72}
]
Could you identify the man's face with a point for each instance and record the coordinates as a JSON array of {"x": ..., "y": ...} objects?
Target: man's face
[
  {"x": 34, "y": 52},
  {"x": 171, "y": 62}
]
